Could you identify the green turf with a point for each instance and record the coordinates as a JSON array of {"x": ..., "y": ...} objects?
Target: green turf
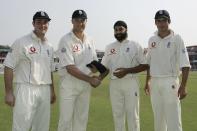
[{"x": 100, "y": 115}]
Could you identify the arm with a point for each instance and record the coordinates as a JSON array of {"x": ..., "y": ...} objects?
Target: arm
[
  {"x": 147, "y": 84},
  {"x": 121, "y": 72},
  {"x": 74, "y": 71},
  {"x": 53, "y": 96},
  {"x": 8, "y": 79},
  {"x": 182, "y": 93}
]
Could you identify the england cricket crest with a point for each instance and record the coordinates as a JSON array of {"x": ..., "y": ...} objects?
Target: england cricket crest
[{"x": 168, "y": 45}]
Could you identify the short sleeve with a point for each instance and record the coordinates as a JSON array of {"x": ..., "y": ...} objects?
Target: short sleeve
[
  {"x": 183, "y": 54},
  {"x": 105, "y": 60},
  {"x": 141, "y": 58},
  {"x": 65, "y": 54},
  {"x": 14, "y": 55}
]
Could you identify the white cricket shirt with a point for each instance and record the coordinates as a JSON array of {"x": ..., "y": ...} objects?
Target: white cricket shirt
[
  {"x": 72, "y": 51},
  {"x": 31, "y": 59},
  {"x": 167, "y": 56},
  {"x": 126, "y": 54}
]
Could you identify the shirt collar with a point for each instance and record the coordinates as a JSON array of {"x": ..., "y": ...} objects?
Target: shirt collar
[
  {"x": 33, "y": 35},
  {"x": 124, "y": 41},
  {"x": 76, "y": 38},
  {"x": 170, "y": 35}
]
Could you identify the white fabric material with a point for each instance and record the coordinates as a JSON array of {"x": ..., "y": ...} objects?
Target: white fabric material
[
  {"x": 166, "y": 104},
  {"x": 124, "y": 92},
  {"x": 74, "y": 104},
  {"x": 72, "y": 51},
  {"x": 124, "y": 95},
  {"x": 123, "y": 55},
  {"x": 167, "y": 56},
  {"x": 74, "y": 93},
  {"x": 31, "y": 60},
  {"x": 32, "y": 108}
]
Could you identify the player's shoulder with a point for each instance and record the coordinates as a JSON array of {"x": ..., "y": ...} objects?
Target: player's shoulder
[
  {"x": 21, "y": 41},
  {"x": 111, "y": 45},
  {"x": 134, "y": 44},
  {"x": 66, "y": 39}
]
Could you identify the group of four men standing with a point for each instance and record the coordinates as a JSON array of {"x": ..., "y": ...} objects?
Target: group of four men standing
[{"x": 31, "y": 63}]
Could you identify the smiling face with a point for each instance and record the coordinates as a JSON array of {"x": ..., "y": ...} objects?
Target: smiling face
[
  {"x": 79, "y": 24},
  {"x": 40, "y": 26}
]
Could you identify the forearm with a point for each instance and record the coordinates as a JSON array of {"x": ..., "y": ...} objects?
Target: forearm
[
  {"x": 52, "y": 83},
  {"x": 148, "y": 77},
  {"x": 8, "y": 79},
  {"x": 137, "y": 69},
  {"x": 185, "y": 74},
  {"x": 74, "y": 71}
]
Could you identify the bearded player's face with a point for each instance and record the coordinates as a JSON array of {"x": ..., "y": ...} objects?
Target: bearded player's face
[{"x": 120, "y": 33}]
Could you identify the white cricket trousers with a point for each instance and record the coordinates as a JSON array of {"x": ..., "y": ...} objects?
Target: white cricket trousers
[
  {"x": 124, "y": 95},
  {"x": 32, "y": 108},
  {"x": 166, "y": 104},
  {"x": 74, "y": 105}
]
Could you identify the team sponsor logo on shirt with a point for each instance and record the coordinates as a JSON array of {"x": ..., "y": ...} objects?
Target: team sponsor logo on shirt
[
  {"x": 75, "y": 48},
  {"x": 168, "y": 45},
  {"x": 112, "y": 51},
  {"x": 32, "y": 50},
  {"x": 153, "y": 44}
]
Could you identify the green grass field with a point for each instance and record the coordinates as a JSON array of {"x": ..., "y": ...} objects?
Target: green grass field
[{"x": 100, "y": 115}]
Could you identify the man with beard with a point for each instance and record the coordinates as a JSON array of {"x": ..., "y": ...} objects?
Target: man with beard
[{"x": 124, "y": 58}]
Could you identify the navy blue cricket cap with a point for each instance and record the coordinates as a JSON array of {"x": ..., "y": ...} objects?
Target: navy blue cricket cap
[
  {"x": 120, "y": 23},
  {"x": 79, "y": 14},
  {"x": 162, "y": 14},
  {"x": 41, "y": 15}
]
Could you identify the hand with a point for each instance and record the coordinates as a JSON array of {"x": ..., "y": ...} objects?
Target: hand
[
  {"x": 10, "y": 99},
  {"x": 120, "y": 72},
  {"x": 182, "y": 93},
  {"x": 53, "y": 97},
  {"x": 95, "y": 81},
  {"x": 147, "y": 88}
]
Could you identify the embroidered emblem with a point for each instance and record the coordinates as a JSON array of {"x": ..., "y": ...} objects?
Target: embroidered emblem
[
  {"x": 113, "y": 51},
  {"x": 168, "y": 45},
  {"x": 63, "y": 50},
  {"x": 145, "y": 51},
  {"x": 80, "y": 12},
  {"x": 42, "y": 13},
  {"x": 153, "y": 45},
  {"x": 76, "y": 48},
  {"x": 32, "y": 50},
  {"x": 127, "y": 50}
]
